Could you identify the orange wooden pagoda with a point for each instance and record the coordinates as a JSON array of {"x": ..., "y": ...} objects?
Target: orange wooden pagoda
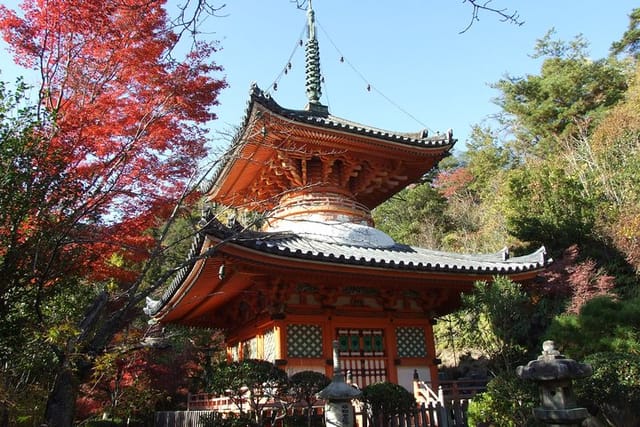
[{"x": 318, "y": 270}]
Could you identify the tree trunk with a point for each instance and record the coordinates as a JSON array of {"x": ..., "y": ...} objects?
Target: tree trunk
[
  {"x": 61, "y": 404},
  {"x": 4, "y": 415}
]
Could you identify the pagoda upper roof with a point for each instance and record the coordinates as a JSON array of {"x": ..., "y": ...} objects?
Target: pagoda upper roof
[
  {"x": 324, "y": 119},
  {"x": 409, "y": 155}
]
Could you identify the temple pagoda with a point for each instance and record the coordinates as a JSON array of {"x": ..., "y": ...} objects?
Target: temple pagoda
[{"x": 318, "y": 270}]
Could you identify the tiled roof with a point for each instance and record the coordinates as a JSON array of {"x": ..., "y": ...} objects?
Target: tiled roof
[
  {"x": 257, "y": 96},
  {"x": 397, "y": 257},
  {"x": 400, "y": 257},
  {"x": 329, "y": 121}
]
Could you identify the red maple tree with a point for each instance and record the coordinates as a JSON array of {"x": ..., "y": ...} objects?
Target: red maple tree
[
  {"x": 127, "y": 132},
  {"x": 121, "y": 128},
  {"x": 134, "y": 380},
  {"x": 577, "y": 280}
]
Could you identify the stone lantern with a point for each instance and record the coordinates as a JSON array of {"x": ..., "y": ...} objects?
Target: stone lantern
[
  {"x": 554, "y": 375},
  {"x": 338, "y": 410}
]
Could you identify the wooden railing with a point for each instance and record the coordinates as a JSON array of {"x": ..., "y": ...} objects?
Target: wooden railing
[
  {"x": 431, "y": 415},
  {"x": 448, "y": 391},
  {"x": 462, "y": 389},
  {"x": 444, "y": 407},
  {"x": 210, "y": 402}
]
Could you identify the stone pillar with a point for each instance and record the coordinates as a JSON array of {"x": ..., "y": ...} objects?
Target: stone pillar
[
  {"x": 338, "y": 410},
  {"x": 554, "y": 375}
]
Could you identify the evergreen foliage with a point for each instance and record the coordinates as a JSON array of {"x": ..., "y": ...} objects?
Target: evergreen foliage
[
  {"x": 613, "y": 391},
  {"x": 630, "y": 41},
  {"x": 385, "y": 400},
  {"x": 603, "y": 325},
  {"x": 250, "y": 384},
  {"x": 508, "y": 402},
  {"x": 304, "y": 386},
  {"x": 563, "y": 172}
]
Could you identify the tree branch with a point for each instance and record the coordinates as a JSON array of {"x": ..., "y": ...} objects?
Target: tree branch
[{"x": 504, "y": 14}]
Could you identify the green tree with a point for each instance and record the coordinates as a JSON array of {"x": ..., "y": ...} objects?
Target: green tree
[
  {"x": 508, "y": 402},
  {"x": 25, "y": 187},
  {"x": 613, "y": 389},
  {"x": 473, "y": 190},
  {"x": 252, "y": 385},
  {"x": 486, "y": 158},
  {"x": 503, "y": 321},
  {"x": 546, "y": 205},
  {"x": 414, "y": 216},
  {"x": 385, "y": 400},
  {"x": 630, "y": 41},
  {"x": 571, "y": 90},
  {"x": 304, "y": 386},
  {"x": 496, "y": 318},
  {"x": 604, "y": 324}
]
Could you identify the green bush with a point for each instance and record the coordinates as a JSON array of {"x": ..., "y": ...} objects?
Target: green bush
[
  {"x": 387, "y": 399},
  {"x": 316, "y": 420},
  {"x": 603, "y": 325},
  {"x": 303, "y": 387},
  {"x": 508, "y": 402},
  {"x": 103, "y": 423},
  {"x": 613, "y": 391}
]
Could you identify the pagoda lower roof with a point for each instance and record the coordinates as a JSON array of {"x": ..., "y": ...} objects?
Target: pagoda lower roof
[{"x": 399, "y": 258}]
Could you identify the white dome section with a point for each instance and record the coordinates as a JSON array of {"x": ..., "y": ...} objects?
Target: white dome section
[{"x": 345, "y": 233}]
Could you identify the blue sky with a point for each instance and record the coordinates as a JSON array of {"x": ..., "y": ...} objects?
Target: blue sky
[
  {"x": 411, "y": 52},
  {"x": 422, "y": 71}
]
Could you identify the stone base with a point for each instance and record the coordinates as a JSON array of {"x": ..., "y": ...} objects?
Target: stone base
[{"x": 561, "y": 416}]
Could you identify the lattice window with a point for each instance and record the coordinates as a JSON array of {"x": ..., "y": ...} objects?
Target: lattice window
[
  {"x": 361, "y": 342},
  {"x": 411, "y": 342},
  {"x": 304, "y": 341},
  {"x": 270, "y": 345}
]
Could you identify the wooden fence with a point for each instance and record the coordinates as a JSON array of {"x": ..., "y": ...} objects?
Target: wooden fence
[
  {"x": 180, "y": 418},
  {"x": 432, "y": 415},
  {"x": 444, "y": 407}
]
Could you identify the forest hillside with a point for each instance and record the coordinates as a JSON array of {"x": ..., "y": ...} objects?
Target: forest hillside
[{"x": 559, "y": 167}]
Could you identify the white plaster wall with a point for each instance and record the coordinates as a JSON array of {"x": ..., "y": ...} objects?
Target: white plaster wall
[
  {"x": 405, "y": 375},
  {"x": 290, "y": 370}
]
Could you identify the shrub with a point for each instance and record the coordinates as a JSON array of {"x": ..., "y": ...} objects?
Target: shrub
[
  {"x": 613, "y": 391},
  {"x": 508, "y": 402},
  {"x": 385, "y": 400},
  {"x": 304, "y": 386}
]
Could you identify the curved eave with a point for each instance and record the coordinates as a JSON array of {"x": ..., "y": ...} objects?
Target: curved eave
[
  {"x": 416, "y": 139},
  {"x": 246, "y": 145},
  {"x": 378, "y": 263},
  {"x": 204, "y": 285}
]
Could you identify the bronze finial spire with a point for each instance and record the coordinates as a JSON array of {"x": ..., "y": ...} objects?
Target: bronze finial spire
[{"x": 312, "y": 66}]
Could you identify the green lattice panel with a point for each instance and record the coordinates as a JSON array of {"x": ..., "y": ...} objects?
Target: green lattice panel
[
  {"x": 304, "y": 341},
  {"x": 343, "y": 341},
  {"x": 411, "y": 342}
]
